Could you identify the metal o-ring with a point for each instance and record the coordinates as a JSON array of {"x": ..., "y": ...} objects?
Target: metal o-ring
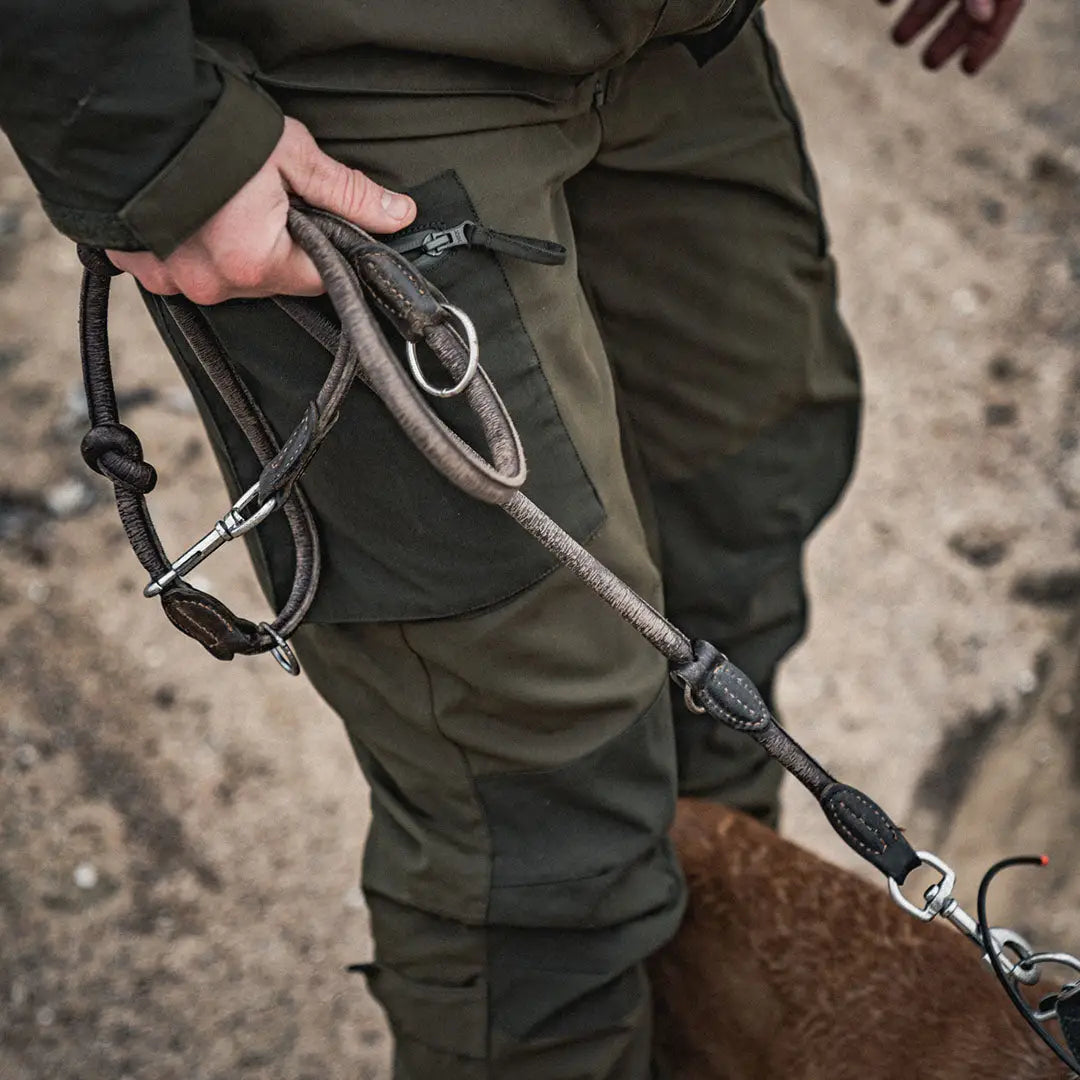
[
  {"x": 282, "y": 651},
  {"x": 691, "y": 703},
  {"x": 471, "y": 341}
]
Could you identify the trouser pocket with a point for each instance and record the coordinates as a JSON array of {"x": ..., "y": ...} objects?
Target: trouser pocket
[{"x": 400, "y": 543}]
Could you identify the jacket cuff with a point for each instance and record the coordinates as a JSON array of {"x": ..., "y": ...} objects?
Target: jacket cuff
[{"x": 227, "y": 149}]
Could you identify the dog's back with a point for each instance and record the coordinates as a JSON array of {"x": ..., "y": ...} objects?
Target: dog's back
[{"x": 789, "y": 968}]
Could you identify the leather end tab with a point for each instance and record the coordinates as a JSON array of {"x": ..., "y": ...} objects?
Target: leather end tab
[
  {"x": 869, "y": 831},
  {"x": 723, "y": 689},
  {"x": 209, "y": 622}
]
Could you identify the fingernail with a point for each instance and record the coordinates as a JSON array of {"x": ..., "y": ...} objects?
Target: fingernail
[
  {"x": 396, "y": 206},
  {"x": 981, "y": 10}
]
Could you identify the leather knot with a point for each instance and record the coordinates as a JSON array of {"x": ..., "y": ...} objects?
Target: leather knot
[
  {"x": 115, "y": 452},
  {"x": 96, "y": 261}
]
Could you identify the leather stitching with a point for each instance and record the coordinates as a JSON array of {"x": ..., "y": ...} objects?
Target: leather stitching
[
  {"x": 856, "y": 840},
  {"x": 177, "y": 615}
]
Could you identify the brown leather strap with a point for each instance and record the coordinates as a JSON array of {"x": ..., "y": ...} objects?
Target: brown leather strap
[{"x": 352, "y": 264}]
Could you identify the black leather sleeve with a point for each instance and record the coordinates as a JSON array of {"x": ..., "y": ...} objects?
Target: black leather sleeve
[{"x": 98, "y": 97}]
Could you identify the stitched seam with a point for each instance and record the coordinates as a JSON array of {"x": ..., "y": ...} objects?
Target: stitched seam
[
  {"x": 893, "y": 835},
  {"x": 856, "y": 840},
  {"x": 752, "y": 705},
  {"x": 758, "y": 719},
  {"x": 388, "y": 282},
  {"x": 394, "y": 314},
  {"x": 732, "y": 719},
  {"x": 295, "y": 447},
  {"x": 177, "y": 615}
]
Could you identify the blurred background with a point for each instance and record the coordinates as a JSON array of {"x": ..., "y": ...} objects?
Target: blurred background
[{"x": 179, "y": 840}]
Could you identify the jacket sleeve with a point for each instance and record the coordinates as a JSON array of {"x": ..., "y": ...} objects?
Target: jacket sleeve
[
  {"x": 703, "y": 47},
  {"x": 130, "y": 131}
]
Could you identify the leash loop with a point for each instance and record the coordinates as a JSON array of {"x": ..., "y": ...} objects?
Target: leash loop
[{"x": 351, "y": 262}]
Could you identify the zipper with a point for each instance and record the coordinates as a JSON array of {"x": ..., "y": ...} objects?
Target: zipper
[{"x": 434, "y": 241}]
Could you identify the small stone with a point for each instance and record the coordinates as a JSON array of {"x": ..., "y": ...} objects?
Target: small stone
[
  {"x": 1049, "y": 588},
  {"x": 1003, "y": 368},
  {"x": 45, "y": 1016},
  {"x": 37, "y": 592},
  {"x": 1048, "y": 168},
  {"x": 20, "y": 515},
  {"x": 993, "y": 211},
  {"x": 69, "y": 498},
  {"x": 1001, "y": 414},
  {"x": 85, "y": 876},
  {"x": 982, "y": 547},
  {"x": 1027, "y": 682},
  {"x": 26, "y": 756},
  {"x": 165, "y": 697},
  {"x": 18, "y": 994},
  {"x": 965, "y": 302}
]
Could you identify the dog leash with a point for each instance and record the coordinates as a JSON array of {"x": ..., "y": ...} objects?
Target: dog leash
[{"x": 353, "y": 264}]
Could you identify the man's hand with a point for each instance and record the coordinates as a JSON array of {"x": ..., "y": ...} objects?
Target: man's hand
[
  {"x": 979, "y": 27},
  {"x": 245, "y": 248}
]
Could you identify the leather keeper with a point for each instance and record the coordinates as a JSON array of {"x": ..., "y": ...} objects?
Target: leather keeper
[{"x": 411, "y": 304}]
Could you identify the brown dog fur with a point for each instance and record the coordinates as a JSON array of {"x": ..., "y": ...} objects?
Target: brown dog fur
[{"x": 787, "y": 968}]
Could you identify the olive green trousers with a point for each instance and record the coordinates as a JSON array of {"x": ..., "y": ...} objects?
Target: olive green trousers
[{"x": 688, "y": 402}]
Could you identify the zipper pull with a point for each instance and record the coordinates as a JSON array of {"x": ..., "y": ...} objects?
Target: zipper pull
[{"x": 440, "y": 241}]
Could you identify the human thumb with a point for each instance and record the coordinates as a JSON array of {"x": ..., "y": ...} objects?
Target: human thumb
[{"x": 328, "y": 184}]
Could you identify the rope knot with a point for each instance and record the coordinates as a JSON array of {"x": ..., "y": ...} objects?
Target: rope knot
[{"x": 115, "y": 452}]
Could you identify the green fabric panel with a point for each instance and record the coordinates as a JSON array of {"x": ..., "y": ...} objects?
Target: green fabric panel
[
  {"x": 739, "y": 573},
  {"x": 604, "y": 811}
]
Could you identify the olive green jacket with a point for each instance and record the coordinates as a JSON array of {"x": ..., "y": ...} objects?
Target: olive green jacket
[{"x": 138, "y": 119}]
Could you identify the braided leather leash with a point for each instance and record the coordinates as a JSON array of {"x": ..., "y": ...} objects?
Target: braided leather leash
[{"x": 354, "y": 266}]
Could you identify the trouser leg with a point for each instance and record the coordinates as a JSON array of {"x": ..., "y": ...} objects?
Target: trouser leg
[
  {"x": 521, "y": 758},
  {"x": 703, "y": 248}
]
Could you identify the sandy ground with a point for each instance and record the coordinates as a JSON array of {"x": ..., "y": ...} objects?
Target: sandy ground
[{"x": 179, "y": 841}]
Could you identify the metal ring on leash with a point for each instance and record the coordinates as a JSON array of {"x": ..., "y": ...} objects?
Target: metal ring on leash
[
  {"x": 471, "y": 341},
  {"x": 282, "y": 651}
]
